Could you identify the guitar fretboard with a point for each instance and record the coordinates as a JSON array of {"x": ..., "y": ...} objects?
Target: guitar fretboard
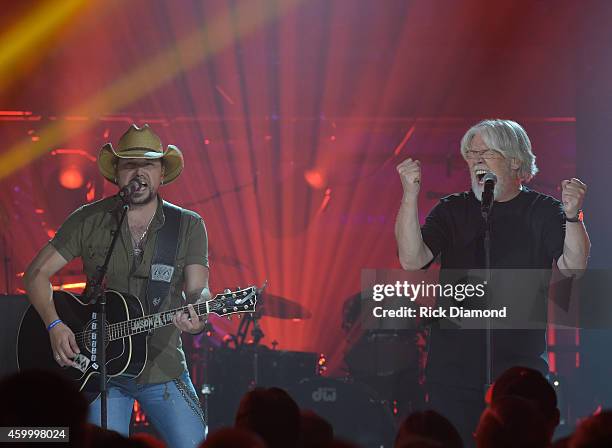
[{"x": 131, "y": 327}]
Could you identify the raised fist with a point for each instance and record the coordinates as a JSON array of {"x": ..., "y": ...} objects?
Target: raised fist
[
  {"x": 572, "y": 196},
  {"x": 410, "y": 175}
]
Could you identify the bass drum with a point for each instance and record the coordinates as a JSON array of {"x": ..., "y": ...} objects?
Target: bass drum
[{"x": 356, "y": 413}]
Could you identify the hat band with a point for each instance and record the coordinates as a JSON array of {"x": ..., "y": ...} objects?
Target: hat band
[{"x": 139, "y": 152}]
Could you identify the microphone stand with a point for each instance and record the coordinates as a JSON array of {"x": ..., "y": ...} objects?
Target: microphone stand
[
  {"x": 486, "y": 207},
  {"x": 97, "y": 295}
]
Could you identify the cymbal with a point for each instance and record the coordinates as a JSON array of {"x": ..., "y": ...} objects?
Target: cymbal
[{"x": 276, "y": 306}]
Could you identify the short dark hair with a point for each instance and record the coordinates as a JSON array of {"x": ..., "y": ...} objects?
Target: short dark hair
[
  {"x": 594, "y": 432},
  {"x": 527, "y": 383},
  {"x": 511, "y": 422},
  {"x": 272, "y": 414},
  {"x": 428, "y": 427}
]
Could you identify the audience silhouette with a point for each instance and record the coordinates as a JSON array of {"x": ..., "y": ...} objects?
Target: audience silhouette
[{"x": 522, "y": 413}]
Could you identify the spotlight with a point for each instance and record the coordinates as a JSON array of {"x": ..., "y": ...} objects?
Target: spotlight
[
  {"x": 315, "y": 178},
  {"x": 71, "y": 178},
  {"x": 64, "y": 180},
  {"x": 322, "y": 364}
]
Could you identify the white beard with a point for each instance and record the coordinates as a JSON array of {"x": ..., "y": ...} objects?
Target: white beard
[{"x": 478, "y": 189}]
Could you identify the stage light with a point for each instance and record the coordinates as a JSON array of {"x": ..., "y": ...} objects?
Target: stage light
[
  {"x": 322, "y": 364},
  {"x": 64, "y": 180},
  {"x": 407, "y": 137},
  {"x": 139, "y": 415},
  {"x": 144, "y": 78},
  {"x": 71, "y": 178},
  {"x": 14, "y": 113},
  {"x": 552, "y": 362},
  {"x": 325, "y": 201},
  {"x": 315, "y": 178},
  {"x": 91, "y": 191},
  {"x": 66, "y": 286}
]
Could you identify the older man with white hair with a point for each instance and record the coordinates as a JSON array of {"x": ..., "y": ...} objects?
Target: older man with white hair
[{"x": 530, "y": 231}]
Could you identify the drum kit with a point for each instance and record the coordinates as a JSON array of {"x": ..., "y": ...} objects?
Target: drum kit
[{"x": 363, "y": 406}]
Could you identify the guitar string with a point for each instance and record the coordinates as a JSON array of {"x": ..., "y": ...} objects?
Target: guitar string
[{"x": 122, "y": 329}]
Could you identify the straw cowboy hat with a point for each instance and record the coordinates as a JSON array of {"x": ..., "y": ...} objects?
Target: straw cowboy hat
[{"x": 140, "y": 143}]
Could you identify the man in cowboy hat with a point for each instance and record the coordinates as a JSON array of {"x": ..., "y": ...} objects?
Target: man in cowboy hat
[{"x": 164, "y": 388}]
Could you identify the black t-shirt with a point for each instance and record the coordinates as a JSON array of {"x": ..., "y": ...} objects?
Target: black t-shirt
[{"x": 527, "y": 233}]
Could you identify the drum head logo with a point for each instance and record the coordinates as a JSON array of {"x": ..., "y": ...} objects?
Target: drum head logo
[{"x": 327, "y": 394}]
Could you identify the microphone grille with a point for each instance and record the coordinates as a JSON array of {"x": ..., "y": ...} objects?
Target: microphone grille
[{"x": 490, "y": 177}]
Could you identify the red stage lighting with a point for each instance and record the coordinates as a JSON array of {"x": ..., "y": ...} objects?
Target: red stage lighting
[
  {"x": 65, "y": 179},
  {"x": 71, "y": 178},
  {"x": 315, "y": 178}
]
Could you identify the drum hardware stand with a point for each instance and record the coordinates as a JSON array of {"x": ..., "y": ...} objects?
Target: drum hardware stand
[
  {"x": 245, "y": 324},
  {"x": 256, "y": 332},
  {"x": 243, "y": 331},
  {"x": 258, "y": 335}
]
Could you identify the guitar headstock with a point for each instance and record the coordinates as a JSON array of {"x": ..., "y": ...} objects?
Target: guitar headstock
[{"x": 232, "y": 302}]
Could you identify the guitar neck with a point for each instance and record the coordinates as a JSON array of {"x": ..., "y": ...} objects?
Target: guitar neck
[
  {"x": 222, "y": 304},
  {"x": 143, "y": 324}
]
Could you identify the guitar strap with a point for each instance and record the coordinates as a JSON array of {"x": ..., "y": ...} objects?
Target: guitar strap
[{"x": 164, "y": 258}]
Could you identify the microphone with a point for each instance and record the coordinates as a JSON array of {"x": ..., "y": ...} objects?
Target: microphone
[
  {"x": 486, "y": 204},
  {"x": 126, "y": 192}
]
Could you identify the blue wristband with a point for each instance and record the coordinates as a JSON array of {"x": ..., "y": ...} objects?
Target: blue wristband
[{"x": 53, "y": 324}]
